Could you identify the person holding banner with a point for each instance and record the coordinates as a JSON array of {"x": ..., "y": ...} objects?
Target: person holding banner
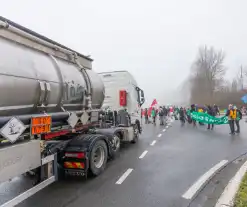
[
  {"x": 211, "y": 112},
  {"x": 193, "y": 109}
]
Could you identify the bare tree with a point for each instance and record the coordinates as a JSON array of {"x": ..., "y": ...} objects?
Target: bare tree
[{"x": 208, "y": 73}]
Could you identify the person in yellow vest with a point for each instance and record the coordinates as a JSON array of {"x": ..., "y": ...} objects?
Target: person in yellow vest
[
  {"x": 232, "y": 115},
  {"x": 200, "y": 110}
]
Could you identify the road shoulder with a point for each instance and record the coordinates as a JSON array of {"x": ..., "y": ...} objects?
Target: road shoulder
[{"x": 211, "y": 193}]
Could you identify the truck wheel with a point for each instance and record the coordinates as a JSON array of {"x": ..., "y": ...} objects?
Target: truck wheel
[
  {"x": 115, "y": 145},
  {"x": 98, "y": 158},
  {"x": 136, "y": 134}
]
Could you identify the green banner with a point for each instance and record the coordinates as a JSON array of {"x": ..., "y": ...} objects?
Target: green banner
[{"x": 207, "y": 119}]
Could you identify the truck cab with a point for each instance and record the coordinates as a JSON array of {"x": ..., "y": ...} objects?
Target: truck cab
[{"x": 123, "y": 93}]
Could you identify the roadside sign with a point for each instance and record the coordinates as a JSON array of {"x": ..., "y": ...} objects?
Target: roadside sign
[
  {"x": 13, "y": 129},
  {"x": 41, "y": 125}
]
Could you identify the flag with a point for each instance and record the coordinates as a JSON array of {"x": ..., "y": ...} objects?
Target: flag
[
  {"x": 244, "y": 98},
  {"x": 154, "y": 103},
  {"x": 151, "y": 107}
]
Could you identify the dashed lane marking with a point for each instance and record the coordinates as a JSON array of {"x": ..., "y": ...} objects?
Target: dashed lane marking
[
  {"x": 167, "y": 127},
  {"x": 124, "y": 176},
  {"x": 159, "y": 135},
  {"x": 143, "y": 154},
  {"x": 189, "y": 194},
  {"x": 164, "y": 130},
  {"x": 153, "y": 143}
]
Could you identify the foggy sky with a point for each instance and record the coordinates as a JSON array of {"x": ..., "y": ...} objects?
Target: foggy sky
[{"x": 155, "y": 40}]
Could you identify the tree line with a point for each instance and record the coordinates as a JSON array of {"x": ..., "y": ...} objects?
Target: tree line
[{"x": 208, "y": 84}]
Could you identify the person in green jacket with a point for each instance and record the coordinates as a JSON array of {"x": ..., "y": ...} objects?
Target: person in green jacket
[{"x": 153, "y": 115}]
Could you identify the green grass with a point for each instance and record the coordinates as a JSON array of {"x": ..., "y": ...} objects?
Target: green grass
[{"x": 241, "y": 197}]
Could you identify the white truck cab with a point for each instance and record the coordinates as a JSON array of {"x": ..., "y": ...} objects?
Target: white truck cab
[{"x": 122, "y": 92}]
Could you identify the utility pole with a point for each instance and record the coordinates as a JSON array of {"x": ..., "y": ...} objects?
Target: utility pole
[{"x": 241, "y": 77}]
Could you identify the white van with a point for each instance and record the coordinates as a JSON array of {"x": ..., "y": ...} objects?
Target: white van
[{"x": 117, "y": 81}]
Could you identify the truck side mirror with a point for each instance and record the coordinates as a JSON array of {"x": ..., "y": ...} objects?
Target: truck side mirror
[
  {"x": 142, "y": 98},
  {"x": 142, "y": 94}
]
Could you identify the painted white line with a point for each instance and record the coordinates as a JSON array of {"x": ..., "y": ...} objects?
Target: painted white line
[
  {"x": 201, "y": 181},
  {"x": 143, "y": 154},
  {"x": 227, "y": 197},
  {"x": 159, "y": 135},
  {"x": 18, "y": 199},
  {"x": 124, "y": 176},
  {"x": 153, "y": 143},
  {"x": 164, "y": 130},
  {"x": 167, "y": 127}
]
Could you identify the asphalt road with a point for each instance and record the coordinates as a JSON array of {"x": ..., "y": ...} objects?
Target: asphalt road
[{"x": 166, "y": 171}]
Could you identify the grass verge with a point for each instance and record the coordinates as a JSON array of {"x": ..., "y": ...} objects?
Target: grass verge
[{"x": 241, "y": 196}]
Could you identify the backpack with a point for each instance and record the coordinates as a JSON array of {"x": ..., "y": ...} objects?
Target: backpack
[{"x": 161, "y": 113}]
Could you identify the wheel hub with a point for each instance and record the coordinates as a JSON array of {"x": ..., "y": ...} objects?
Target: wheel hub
[
  {"x": 116, "y": 142},
  {"x": 98, "y": 157}
]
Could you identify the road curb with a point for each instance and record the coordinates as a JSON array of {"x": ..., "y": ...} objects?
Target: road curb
[
  {"x": 207, "y": 181},
  {"x": 230, "y": 191}
]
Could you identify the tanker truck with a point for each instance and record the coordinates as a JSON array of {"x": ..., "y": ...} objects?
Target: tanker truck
[{"x": 51, "y": 117}]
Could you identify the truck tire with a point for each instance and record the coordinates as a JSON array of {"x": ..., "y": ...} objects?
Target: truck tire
[
  {"x": 115, "y": 145},
  {"x": 136, "y": 134},
  {"x": 98, "y": 158}
]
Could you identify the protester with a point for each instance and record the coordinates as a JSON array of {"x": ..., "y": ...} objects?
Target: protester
[
  {"x": 153, "y": 115},
  {"x": 238, "y": 118},
  {"x": 211, "y": 112},
  {"x": 182, "y": 116},
  {"x": 193, "y": 109},
  {"x": 161, "y": 115},
  {"x": 146, "y": 115},
  {"x": 200, "y": 110},
  {"x": 165, "y": 114},
  {"x": 232, "y": 114},
  {"x": 216, "y": 109},
  {"x": 189, "y": 119}
]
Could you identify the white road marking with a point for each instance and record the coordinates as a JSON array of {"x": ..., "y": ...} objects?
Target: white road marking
[
  {"x": 227, "y": 197},
  {"x": 124, "y": 176},
  {"x": 167, "y": 127},
  {"x": 143, "y": 154},
  {"x": 201, "y": 181},
  {"x": 164, "y": 130},
  {"x": 159, "y": 135},
  {"x": 153, "y": 143}
]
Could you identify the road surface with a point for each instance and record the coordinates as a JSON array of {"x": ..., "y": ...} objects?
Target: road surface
[{"x": 156, "y": 172}]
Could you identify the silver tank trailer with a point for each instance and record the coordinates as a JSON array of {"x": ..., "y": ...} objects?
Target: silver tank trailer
[{"x": 25, "y": 75}]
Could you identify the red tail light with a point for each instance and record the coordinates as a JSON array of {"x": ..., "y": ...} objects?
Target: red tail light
[{"x": 75, "y": 154}]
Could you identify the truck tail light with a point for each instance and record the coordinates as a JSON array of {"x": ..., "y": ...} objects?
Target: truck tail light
[
  {"x": 75, "y": 165},
  {"x": 79, "y": 155},
  {"x": 122, "y": 98}
]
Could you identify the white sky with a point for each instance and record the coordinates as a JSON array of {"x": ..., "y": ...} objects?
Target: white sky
[{"x": 155, "y": 40}]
